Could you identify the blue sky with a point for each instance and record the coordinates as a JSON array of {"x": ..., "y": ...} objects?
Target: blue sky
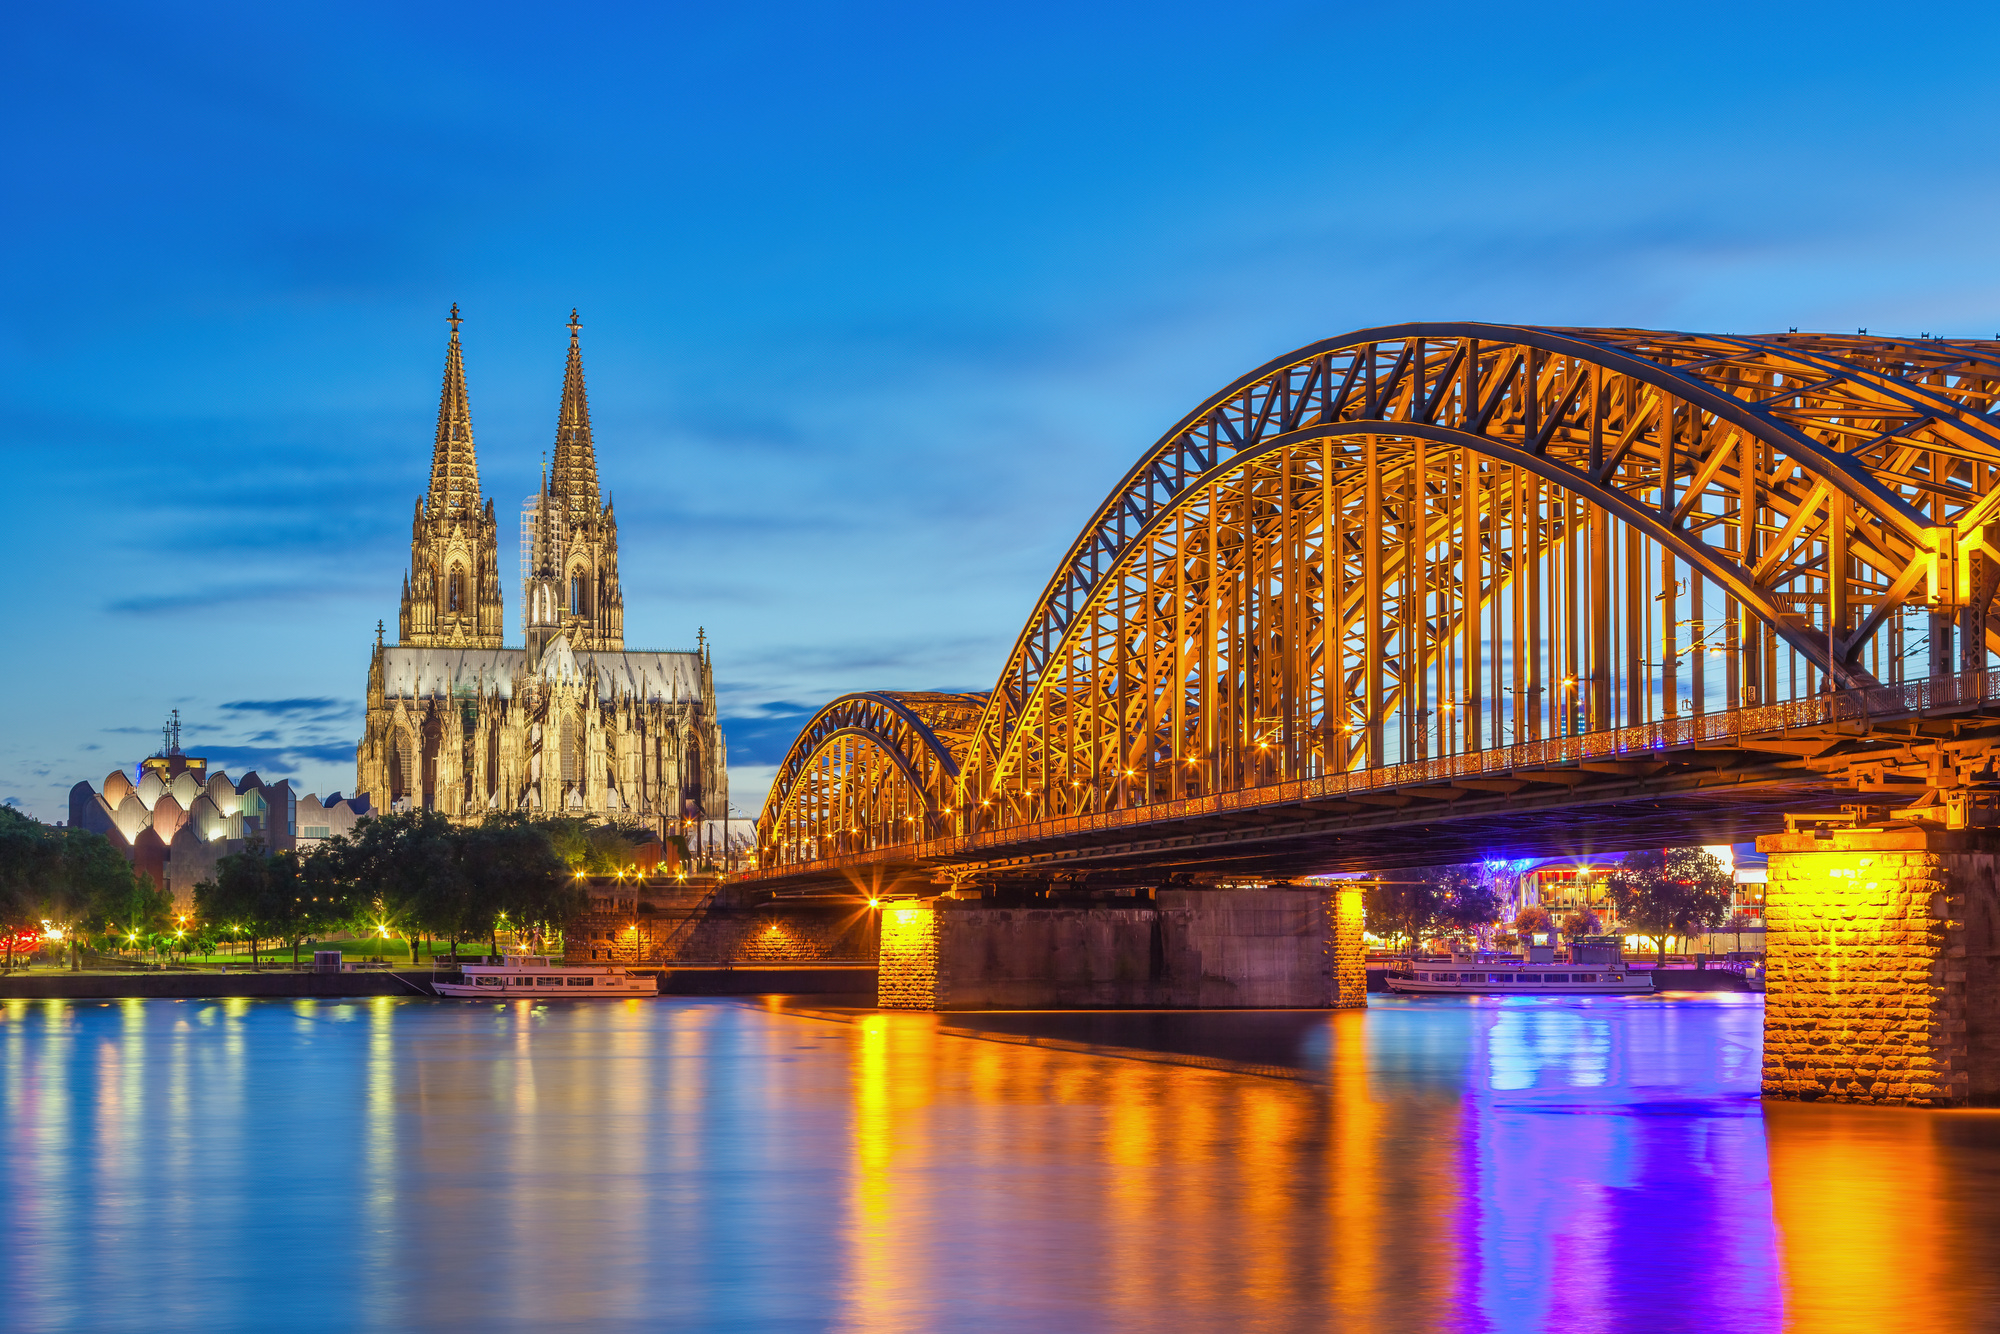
[{"x": 878, "y": 300}]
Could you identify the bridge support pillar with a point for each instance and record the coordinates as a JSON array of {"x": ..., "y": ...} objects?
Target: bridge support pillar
[
  {"x": 1189, "y": 949},
  {"x": 1882, "y": 974}
]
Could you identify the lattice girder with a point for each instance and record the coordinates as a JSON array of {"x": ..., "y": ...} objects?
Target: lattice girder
[
  {"x": 867, "y": 770},
  {"x": 1874, "y": 454}
]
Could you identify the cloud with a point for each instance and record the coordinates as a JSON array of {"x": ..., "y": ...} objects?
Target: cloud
[
  {"x": 762, "y": 733},
  {"x": 158, "y": 604},
  {"x": 276, "y": 761},
  {"x": 321, "y": 705},
  {"x": 15, "y": 802}
]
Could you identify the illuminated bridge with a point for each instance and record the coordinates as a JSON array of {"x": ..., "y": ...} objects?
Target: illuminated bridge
[{"x": 1427, "y": 592}]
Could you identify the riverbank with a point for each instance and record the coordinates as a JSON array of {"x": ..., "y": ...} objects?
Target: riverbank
[
  {"x": 202, "y": 984},
  {"x": 206, "y": 985}
]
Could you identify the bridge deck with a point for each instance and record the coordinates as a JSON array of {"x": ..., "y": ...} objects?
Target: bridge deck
[{"x": 1721, "y": 777}]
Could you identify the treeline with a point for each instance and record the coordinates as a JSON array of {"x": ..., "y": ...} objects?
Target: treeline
[
  {"x": 1424, "y": 902},
  {"x": 73, "y": 880},
  {"x": 417, "y": 876},
  {"x": 1658, "y": 893}
]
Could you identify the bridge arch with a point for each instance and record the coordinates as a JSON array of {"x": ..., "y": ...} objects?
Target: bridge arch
[
  {"x": 1642, "y": 452},
  {"x": 1418, "y": 541},
  {"x": 867, "y": 770}
]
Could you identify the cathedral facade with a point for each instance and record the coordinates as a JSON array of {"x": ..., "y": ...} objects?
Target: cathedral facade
[{"x": 573, "y": 723}]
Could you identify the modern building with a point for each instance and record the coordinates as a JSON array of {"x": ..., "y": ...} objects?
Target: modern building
[
  {"x": 573, "y": 722},
  {"x": 177, "y": 820}
]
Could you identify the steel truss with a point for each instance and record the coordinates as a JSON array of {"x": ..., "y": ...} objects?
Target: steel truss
[
  {"x": 869, "y": 770},
  {"x": 1430, "y": 541}
]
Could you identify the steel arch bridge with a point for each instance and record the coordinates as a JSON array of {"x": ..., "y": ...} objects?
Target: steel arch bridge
[{"x": 1424, "y": 575}]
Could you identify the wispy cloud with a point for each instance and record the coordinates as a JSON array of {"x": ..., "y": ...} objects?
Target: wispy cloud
[
  {"x": 324, "y": 706},
  {"x": 226, "y": 595}
]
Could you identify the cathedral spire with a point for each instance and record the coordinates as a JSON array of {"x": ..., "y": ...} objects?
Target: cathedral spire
[
  {"x": 451, "y": 594},
  {"x": 576, "y": 456},
  {"x": 454, "y": 464}
]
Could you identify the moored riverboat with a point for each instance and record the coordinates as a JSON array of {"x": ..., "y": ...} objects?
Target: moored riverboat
[
  {"x": 533, "y": 975},
  {"x": 1596, "y": 967}
]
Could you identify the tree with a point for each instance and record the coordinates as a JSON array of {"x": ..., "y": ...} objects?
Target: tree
[
  {"x": 1405, "y": 908},
  {"x": 253, "y": 892},
  {"x": 70, "y": 879},
  {"x": 1670, "y": 892},
  {"x": 1582, "y": 922},
  {"x": 1469, "y": 896},
  {"x": 420, "y": 872},
  {"x": 399, "y": 873},
  {"x": 514, "y": 869},
  {"x": 1530, "y": 920}
]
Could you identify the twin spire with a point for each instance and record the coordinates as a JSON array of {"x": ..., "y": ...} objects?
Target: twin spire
[
  {"x": 570, "y": 538},
  {"x": 454, "y": 462},
  {"x": 575, "y": 479}
]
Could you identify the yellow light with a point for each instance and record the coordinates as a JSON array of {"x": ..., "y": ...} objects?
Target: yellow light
[{"x": 874, "y": 903}]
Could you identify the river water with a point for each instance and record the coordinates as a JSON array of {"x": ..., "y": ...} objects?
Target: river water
[{"x": 1576, "y": 1165}]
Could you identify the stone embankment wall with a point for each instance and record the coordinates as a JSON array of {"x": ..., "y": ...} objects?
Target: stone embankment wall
[
  {"x": 1190, "y": 949},
  {"x": 210, "y": 985},
  {"x": 659, "y": 927},
  {"x": 1881, "y": 979}
]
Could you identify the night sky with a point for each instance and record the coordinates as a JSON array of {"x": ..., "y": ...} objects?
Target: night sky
[{"x": 877, "y": 301}]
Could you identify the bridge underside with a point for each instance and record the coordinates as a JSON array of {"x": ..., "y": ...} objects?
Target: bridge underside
[{"x": 1546, "y": 815}]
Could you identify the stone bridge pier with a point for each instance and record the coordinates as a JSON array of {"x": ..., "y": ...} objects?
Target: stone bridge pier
[
  {"x": 1882, "y": 975},
  {"x": 1184, "y": 949}
]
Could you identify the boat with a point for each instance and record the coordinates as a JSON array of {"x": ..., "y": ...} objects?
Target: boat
[
  {"x": 1596, "y": 967},
  {"x": 521, "y": 976}
]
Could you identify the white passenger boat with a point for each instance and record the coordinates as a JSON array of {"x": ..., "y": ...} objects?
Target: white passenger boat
[
  {"x": 533, "y": 975},
  {"x": 1596, "y": 968}
]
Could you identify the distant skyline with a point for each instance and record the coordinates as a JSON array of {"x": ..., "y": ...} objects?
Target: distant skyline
[{"x": 877, "y": 301}]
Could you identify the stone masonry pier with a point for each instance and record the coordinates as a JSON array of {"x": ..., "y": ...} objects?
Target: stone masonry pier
[
  {"x": 1188, "y": 949},
  {"x": 1882, "y": 984}
]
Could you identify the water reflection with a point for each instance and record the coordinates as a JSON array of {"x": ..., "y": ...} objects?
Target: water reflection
[{"x": 1427, "y": 1165}]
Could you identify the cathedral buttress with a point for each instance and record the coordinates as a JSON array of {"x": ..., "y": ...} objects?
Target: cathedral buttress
[{"x": 451, "y": 596}]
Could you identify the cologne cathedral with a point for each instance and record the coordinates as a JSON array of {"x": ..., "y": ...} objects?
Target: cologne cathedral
[{"x": 574, "y": 723}]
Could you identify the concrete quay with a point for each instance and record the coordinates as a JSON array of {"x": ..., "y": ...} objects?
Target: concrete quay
[{"x": 719, "y": 979}]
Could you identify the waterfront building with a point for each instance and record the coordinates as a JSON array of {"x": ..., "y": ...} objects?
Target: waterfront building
[
  {"x": 571, "y": 723},
  {"x": 177, "y": 819}
]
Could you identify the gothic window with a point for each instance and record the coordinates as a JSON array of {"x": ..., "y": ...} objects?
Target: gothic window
[
  {"x": 457, "y": 591},
  {"x": 402, "y": 766},
  {"x": 579, "y": 597},
  {"x": 570, "y": 768}
]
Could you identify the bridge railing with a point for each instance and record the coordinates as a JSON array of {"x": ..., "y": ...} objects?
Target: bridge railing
[{"x": 1876, "y": 704}]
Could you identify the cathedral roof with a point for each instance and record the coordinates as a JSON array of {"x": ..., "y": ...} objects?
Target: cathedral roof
[
  {"x": 421, "y": 673},
  {"x": 454, "y": 463}
]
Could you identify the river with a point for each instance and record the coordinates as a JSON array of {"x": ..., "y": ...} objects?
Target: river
[{"x": 1438, "y": 1164}]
